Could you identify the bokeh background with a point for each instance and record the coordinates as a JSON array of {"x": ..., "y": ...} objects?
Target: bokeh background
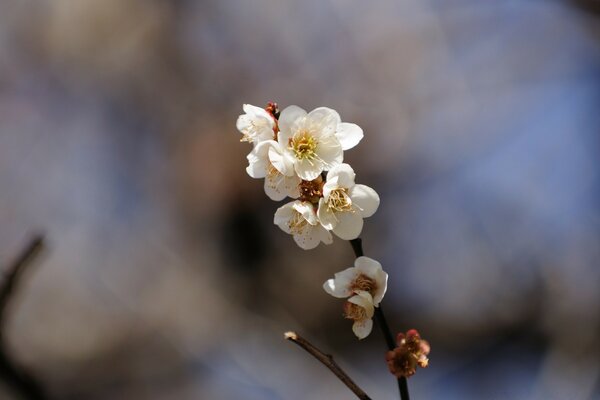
[{"x": 164, "y": 277}]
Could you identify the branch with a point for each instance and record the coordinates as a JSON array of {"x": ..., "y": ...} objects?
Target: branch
[
  {"x": 21, "y": 381},
  {"x": 16, "y": 270},
  {"x": 328, "y": 361}
]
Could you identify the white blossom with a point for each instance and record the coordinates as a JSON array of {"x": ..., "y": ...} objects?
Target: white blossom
[
  {"x": 316, "y": 140},
  {"x": 367, "y": 275},
  {"x": 344, "y": 204},
  {"x": 256, "y": 125},
  {"x": 299, "y": 219},
  {"x": 359, "y": 308},
  {"x": 268, "y": 160}
]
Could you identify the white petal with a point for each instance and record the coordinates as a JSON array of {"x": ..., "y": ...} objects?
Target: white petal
[
  {"x": 278, "y": 160},
  {"x": 326, "y": 216},
  {"x": 283, "y": 216},
  {"x": 344, "y": 174},
  {"x": 291, "y": 186},
  {"x": 373, "y": 270},
  {"x": 307, "y": 239},
  {"x": 257, "y": 168},
  {"x": 307, "y": 169},
  {"x": 349, "y": 225},
  {"x": 275, "y": 188},
  {"x": 289, "y": 119},
  {"x": 324, "y": 120},
  {"x": 339, "y": 286},
  {"x": 349, "y": 134},
  {"x": 325, "y": 235},
  {"x": 367, "y": 266},
  {"x": 307, "y": 210},
  {"x": 381, "y": 281},
  {"x": 363, "y": 328},
  {"x": 258, "y": 159},
  {"x": 365, "y": 199},
  {"x": 363, "y": 299},
  {"x": 329, "y": 151}
]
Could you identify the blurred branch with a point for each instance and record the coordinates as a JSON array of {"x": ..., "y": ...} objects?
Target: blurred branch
[
  {"x": 328, "y": 361},
  {"x": 18, "y": 379}
]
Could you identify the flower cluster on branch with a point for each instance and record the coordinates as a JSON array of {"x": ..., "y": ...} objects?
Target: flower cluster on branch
[{"x": 300, "y": 155}]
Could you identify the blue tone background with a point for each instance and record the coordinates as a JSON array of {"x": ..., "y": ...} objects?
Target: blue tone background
[{"x": 165, "y": 278}]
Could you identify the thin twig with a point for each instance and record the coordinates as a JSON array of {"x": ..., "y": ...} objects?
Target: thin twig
[
  {"x": 21, "y": 381},
  {"x": 328, "y": 361},
  {"x": 383, "y": 325}
]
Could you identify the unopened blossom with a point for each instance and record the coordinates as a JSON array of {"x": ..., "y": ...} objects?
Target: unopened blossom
[
  {"x": 316, "y": 140},
  {"x": 299, "y": 219},
  {"x": 256, "y": 125},
  {"x": 268, "y": 160},
  {"x": 345, "y": 204},
  {"x": 359, "y": 308},
  {"x": 366, "y": 276},
  {"x": 411, "y": 352}
]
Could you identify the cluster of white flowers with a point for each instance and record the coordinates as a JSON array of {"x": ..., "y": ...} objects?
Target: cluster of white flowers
[{"x": 300, "y": 155}]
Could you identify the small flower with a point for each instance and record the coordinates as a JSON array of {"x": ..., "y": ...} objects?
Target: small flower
[
  {"x": 299, "y": 219},
  {"x": 256, "y": 125},
  {"x": 366, "y": 276},
  {"x": 359, "y": 308},
  {"x": 268, "y": 160},
  {"x": 411, "y": 352},
  {"x": 316, "y": 140},
  {"x": 345, "y": 204}
]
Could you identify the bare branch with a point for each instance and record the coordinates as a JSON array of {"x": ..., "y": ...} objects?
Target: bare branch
[
  {"x": 16, "y": 377},
  {"x": 328, "y": 361}
]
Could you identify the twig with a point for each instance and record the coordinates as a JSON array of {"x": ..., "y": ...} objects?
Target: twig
[
  {"x": 21, "y": 381},
  {"x": 383, "y": 325},
  {"x": 328, "y": 361}
]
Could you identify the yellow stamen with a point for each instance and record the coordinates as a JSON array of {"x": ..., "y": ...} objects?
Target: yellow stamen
[{"x": 339, "y": 200}]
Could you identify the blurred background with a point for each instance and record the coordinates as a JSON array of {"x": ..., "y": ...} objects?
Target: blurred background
[{"x": 164, "y": 277}]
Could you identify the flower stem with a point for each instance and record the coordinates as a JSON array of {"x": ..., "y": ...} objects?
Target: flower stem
[{"x": 383, "y": 325}]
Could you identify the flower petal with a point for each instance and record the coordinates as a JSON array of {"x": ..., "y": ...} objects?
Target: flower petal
[
  {"x": 278, "y": 160},
  {"x": 329, "y": 151},
  {"x": 339, "y": 286},
  {"x": 349, "y": 134},
  {"x": 363, "y": 328},
  {"x": 307, "y": 169},
  {"x": 307, "y": 210},
  {"x": 326, "y": 216},
  {"x": 365, "y": 199},
  {"x": 283, "y": 216},
  {"x": 372, "y": 269},
  {"x": 367, "y": 266},
  {"x": 289, "y": 119},
  {"x": 307, "y": 239},
  {"x": 274, "y": 187},
  {"x": 324, "y": 120},
  {"x": 349, "y": 225},
  {"x": 364, "y": 300},
  {"x": 345, "y": 175}
]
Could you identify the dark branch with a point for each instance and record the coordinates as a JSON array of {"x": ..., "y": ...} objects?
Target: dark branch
[
  {"x": 328, "y": 361},
  {"x": 18, "y": 379}
]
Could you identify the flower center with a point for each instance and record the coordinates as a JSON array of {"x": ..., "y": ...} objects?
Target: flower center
[
  {"x": 304, "y": 146},
  {"x": 311, "y": 191},
  {"x": 339, "y": 200},
  {"x": 354, "y": 312},
  {"x": 364, "y": 283},
  {"x": 297, "y": 224}
]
